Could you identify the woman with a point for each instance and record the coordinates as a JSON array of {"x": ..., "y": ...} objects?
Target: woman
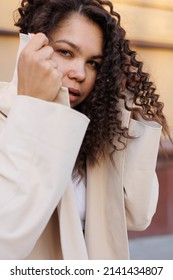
[{"x": 80, "y": 143}]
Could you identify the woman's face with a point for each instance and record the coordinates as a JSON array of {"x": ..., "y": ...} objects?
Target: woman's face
[{"x": 78, "y": 46}]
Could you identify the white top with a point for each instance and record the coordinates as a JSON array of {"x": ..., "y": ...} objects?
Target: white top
[{"x": 80, "y": 195}]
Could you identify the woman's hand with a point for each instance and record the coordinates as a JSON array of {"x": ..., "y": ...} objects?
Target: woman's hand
[{"x": 38, "y": 75}]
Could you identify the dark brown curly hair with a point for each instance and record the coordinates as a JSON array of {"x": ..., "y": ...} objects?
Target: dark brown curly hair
[{"x": 120, "y": 76}]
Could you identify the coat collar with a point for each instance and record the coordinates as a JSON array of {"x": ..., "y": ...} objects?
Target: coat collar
[{"x": 23, "y": 40}]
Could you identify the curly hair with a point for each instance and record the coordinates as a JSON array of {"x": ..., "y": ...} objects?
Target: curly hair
[{"x": 120, "y": 76}]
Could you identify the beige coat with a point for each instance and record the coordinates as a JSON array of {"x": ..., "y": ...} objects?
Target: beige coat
[{"x": 39, "y": 142}]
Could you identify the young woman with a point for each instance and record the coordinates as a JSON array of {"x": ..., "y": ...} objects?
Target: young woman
[{"x": 80, "y": 130}]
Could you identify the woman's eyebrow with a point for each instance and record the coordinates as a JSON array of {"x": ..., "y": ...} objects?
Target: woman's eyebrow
[
  {"x": 68, "y": 43},
  {"x": 100, "y": 56}
]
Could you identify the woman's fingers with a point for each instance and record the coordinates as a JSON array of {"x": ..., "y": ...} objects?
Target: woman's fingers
[
  {"x": 53, "y": 63},
  {"x": 38, "y": 72},
  {"x": 37, "y": 41}
]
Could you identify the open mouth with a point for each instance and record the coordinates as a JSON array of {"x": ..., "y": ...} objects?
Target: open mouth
[
  {"x": 74, "y": 92},
  {"x": 74, "y": 95}
]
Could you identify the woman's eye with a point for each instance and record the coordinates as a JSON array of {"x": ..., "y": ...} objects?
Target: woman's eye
[
  {"x": 65, "y": 53},
  {"x": 94, "y": 64}
]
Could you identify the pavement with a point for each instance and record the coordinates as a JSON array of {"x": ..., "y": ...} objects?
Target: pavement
[{"x": 152, "y": 248}]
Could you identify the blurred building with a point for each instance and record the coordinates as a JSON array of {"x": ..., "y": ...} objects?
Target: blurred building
[
  {"x": 149, "y": 26},
  {"x": 8, "y": 39}
]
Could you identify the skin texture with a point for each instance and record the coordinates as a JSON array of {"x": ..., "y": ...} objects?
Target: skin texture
[{"x": 65, "y": 59}]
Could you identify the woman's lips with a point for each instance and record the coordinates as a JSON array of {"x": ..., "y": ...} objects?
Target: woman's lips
[
  {"x": 74, "y": 91},
  {"x": 73, "y": 94}
]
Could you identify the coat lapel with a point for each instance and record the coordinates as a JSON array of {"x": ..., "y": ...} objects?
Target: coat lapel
[
  {"x": 106, "y": 234},
  {"x": 71, "y": 234},
  {"x": 106, "y": 231}
]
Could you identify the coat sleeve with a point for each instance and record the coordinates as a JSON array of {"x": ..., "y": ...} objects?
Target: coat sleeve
[
  {"x": 140, "y": 180},
  {"x": 39, "y": 143}
]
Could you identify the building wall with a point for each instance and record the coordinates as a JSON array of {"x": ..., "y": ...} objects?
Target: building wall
[
  {"x": 8, "y": 49},
  {"x": 8, "y": 40}
]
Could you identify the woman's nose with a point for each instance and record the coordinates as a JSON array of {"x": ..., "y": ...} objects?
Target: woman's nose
[{"x": 77, "y": 72}]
